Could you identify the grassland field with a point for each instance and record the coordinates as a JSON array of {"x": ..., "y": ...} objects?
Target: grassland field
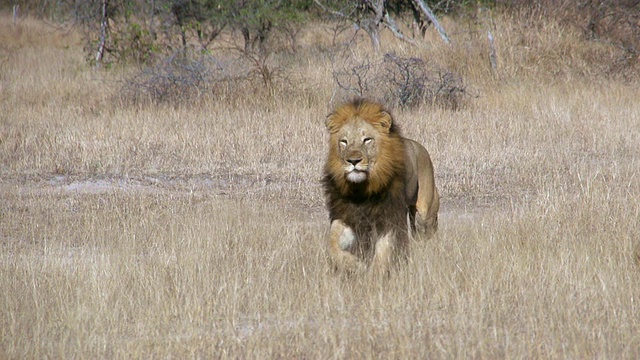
[{"x": 196, "y": 230}]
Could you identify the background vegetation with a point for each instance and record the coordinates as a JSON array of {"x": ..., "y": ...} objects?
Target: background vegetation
[{"x": 169, "y": 205}]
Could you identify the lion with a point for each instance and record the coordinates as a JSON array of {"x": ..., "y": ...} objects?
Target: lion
[{"x": 379, "y": 188}]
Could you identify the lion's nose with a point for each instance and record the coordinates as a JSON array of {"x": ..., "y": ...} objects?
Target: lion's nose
[{"x": 354, "y": 161}]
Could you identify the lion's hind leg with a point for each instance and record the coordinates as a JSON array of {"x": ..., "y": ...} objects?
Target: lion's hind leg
[
  {"x": 426, "y": 218},
  {"x": 341, "y": 239},
  {"x": 426, "y": 226}
]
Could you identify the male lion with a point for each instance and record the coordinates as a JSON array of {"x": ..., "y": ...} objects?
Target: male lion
[{"x": 378, "y": 187}]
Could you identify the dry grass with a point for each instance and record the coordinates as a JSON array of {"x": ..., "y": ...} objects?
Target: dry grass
[{"x": 197, "y": 232}]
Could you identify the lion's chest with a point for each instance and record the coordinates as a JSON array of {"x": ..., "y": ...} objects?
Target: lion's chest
[{"x": 371, "y": 215}]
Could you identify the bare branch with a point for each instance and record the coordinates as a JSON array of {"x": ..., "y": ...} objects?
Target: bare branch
[
  {"x": 429, "y": 14},
  {"x": 330, "y": 11},
  {"x": 391, "y": 24}
]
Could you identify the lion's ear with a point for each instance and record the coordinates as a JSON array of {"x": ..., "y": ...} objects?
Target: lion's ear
[
  {"x": 385, "y": 121},
  {"x": 330, "y": 123}
]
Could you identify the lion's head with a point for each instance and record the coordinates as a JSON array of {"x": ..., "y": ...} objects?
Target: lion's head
[{"x": 366, "y": 150}]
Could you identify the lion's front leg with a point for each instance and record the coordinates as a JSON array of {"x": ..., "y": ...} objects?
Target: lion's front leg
[
  {"x": 384, "y": 255},
  {"x": 341, "y": 239}
]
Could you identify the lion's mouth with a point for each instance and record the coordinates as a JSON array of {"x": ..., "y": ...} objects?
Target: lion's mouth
[{"x": 356, "y": 176}]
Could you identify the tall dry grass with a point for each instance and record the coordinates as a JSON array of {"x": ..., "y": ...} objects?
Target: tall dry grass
[{"x": 197, "y": 231}]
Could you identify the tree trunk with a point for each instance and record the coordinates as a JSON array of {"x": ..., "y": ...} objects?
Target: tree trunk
[
  {"x": 16, "y": 8},
  {"x": 103, "y": 33},
  {"x": 152, "y": 27},
  {"x": 493, "y": 56},
  {"x": 373, "y": 31},
  {"x": 247, "y": 40}
]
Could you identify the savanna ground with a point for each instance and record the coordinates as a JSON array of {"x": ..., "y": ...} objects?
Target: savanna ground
[{"x": 196, "y": 230}]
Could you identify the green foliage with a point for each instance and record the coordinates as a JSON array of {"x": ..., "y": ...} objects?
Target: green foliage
[
  {"x": 255, "y": 19},
  {"x": 135, "y": 43}
]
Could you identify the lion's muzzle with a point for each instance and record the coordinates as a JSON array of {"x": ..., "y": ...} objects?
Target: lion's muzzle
[{"x": 356, "y": 169}]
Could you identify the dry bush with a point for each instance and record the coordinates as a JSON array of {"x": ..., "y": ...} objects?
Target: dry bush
[
  {"x": 616, "y": 23},
  {"x": 590, "y": 38},
  {"x": 188, "y": 77},
  {"x": 412, "y": 83},
  {"x": 179, "y": 78},
  {"x": 30, "y": 32},
  {"x": 405, "y": 82}
]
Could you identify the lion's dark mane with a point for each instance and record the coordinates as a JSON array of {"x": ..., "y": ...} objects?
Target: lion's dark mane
[{"x": 369, "y": 215}]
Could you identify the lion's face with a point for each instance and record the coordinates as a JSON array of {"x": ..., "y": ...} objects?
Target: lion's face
[
  {"x": 364, "y": 147},
  {"x": 357, "y": 147}
]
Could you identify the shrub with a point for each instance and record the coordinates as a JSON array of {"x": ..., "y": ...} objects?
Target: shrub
[
  {"x": 176, "y": 79},
  {"x": 399, "y": 81}
]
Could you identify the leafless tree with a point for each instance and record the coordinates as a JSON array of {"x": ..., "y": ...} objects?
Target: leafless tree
[{"x": 372, "y": 15}]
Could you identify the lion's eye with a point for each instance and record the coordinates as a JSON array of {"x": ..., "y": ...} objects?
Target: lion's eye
[
  {"x": 367, "y": 141},
  {"x": 343, "y": 142}
]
